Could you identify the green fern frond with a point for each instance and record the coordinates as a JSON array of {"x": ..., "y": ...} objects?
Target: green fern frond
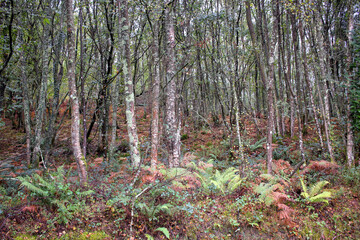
[
  {"x": 321, "y": 197},
  {"x": 230, "y": 174},
  {"x": 235, "y": 183},
  {"x": 257, "y": 145},
  {"x": 314, "y": 194},
  {"x": 317, "y": 188},
  {"x": 264, "y": 190},
  {"x": 27, "y": 183},
  {"x": 219, "y": 182},
  {"x": 86, "y": 193},
  {"x": 44, "y": 183},
  {"x": 305, "y": 193},
  {"x": 166, "y": 208}
]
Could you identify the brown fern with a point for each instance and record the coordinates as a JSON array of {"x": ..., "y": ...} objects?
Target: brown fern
[
  {"x": 31, "y": 209},
  {"x": 325, "y": 167}
]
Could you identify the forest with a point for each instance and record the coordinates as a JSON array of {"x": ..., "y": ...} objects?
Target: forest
[{"x": 179, "y": 119}]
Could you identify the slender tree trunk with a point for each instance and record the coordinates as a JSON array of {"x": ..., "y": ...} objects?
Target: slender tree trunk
[
  {"x": 323, "y": 75},
  {"x": 155, "y": 96},
  {"x": 115, "y": 91},
  {"x": 75, "y": 113},
  {"x": 281, "y": 63},
  {"x": 270, "y": 99},
  {"x": 170, "y": 120},
  {"x": 57, "y": 76},
  {"x": 115, "y": 104},
  {"x": 129, "y": 88},
  {"x": 26, "y": 106},
  {"x": 298, "y": 76},
  {"x": 82, "y": 81},
  {"x": 289, "y": 78},
  {"x": 268, "y": 82},
  {"x": 308, "y": 83},
  {"x": 39, "y": 115},
  {"x": 350, "y": 141}
]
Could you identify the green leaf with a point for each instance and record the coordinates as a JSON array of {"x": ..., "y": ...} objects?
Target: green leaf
[
  {"x": 46, "y": 21},
  {"x": 149, "y": 237},
  {"x": 164, "y": 231}
]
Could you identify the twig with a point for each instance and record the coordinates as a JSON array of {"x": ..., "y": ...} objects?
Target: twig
[
  {"x": 296, "y": 168},
  {"x": 136, "y": 176},
  {"x": 133, "y": 204}
]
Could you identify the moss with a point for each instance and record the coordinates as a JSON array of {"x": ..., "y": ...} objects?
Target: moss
[
  {"x": 25, "y": 237},
  {"x": 97, "y": 235}
]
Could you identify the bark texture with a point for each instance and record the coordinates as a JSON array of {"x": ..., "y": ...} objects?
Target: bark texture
[
  {"x": 129, "y": 88},
  {"x": 171, "y": 125},
  {"x": 75, "y": 113}
]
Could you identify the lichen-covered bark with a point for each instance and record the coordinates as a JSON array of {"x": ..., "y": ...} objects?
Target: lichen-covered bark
[
  {"x": 170, "y": 120},
  {"x": 350, "y": 141},
  {"x": 129, "y": 88},
  {"x": 155, "y": 97},
  {"x": 75, "y": 114}
]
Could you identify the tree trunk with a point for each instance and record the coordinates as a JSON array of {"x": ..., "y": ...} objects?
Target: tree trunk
[
  {"x": 155, "y": 99},
  {"x": 324, "y": 90},
  {"x": 298, "y": 74},
  {"x": 350, "y": 141},
  {"x": 75, "y": 113},
  {"x": 170, "y": 120},
  {"x": 39, "y": 115},
  {"x": 129, "y": 88},
  {"x": 308, "y": 83},
  {"x": 82, "y": 81},
  {"x": 26, "y": 106},
  {"x": 268, "y": 82}
]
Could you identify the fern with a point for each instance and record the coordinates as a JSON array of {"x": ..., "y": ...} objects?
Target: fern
[
  {"x": 272, "y": 193},
  {"x": 219, "y": 182},
  {"x": 152, "y": 211},
  {"x": 55, "y": 192},
  {"x": 27, "y": 182},
  {"x": 318, "y": 187},
  {"x": 163, "y": 230},
  {"x": 265, "y": 191},
  {"x": 316, "y": 194},
  {"x": 257, "y": 145}
]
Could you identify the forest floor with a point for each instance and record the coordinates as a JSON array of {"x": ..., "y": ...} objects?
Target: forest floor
[{"x": 213, "y": 195}]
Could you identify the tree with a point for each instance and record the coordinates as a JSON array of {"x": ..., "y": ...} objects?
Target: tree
[
  {"x": 268, "y": 80},
  {"x": 172, "y": 123},
  {"x": 155, "y": 99},
  {"x": 75, "y": 113},
  {"x": 129, "y": 88}
]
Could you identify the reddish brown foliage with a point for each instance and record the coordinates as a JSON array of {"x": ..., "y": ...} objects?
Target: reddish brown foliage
[
  {"x": 322, "y": 166},
  {"x": 31, "y": 209}
]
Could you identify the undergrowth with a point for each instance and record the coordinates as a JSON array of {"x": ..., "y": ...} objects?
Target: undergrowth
[{"x": 53, "y": 190}]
